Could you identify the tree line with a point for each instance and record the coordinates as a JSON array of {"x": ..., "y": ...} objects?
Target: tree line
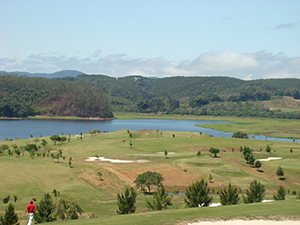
[{"x": 100, "y": 95}]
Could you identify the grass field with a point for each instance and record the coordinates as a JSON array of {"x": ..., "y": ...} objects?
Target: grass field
[{"x": 30, "y": 178}]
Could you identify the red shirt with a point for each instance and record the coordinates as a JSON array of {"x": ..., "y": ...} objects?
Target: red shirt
[{"x": 31, "y": 208}]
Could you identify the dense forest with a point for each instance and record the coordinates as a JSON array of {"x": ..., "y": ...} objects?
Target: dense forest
[
  {"x": 21, "y": 96},
  {"x": 99, "y": 95}
]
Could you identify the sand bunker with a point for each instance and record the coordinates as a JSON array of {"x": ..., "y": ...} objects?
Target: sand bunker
[
  {"x": 169, "y": 153},
  {"x": 269, "y": 159},
  {"x": 103, "y": 159},
  {"x": 247, "y": 222}
]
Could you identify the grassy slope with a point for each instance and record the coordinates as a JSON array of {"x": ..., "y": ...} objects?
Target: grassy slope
[{"x": 29, "y": 178}]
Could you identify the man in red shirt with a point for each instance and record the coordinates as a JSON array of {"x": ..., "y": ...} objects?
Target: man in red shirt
[{"x": 31, "y": 210}]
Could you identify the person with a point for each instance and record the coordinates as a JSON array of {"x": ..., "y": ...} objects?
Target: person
[{"x": 31, "y": 210}]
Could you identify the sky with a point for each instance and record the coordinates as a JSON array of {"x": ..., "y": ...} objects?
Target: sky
[{"x": 245, "y": 39}]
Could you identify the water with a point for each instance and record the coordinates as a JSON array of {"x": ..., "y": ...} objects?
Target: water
[{"x": 23, "y": 129}]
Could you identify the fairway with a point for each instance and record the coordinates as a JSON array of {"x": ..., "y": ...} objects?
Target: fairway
[{"x": 143, "y": 151}]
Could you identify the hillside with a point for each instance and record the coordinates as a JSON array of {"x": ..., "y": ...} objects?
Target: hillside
[
  {"x": 180, "y": 169},
  {"x": 24, "y": 96},
  {"x": 213, "y": 96}
]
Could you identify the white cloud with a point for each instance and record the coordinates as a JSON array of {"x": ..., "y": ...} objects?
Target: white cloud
[{"x": 256, "y": 65}]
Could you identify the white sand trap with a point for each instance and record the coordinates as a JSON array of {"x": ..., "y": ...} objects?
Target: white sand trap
[
  {"x": 247, "y": 222},
  {"x": 219, "y": 204},
  {"x": 269, "y": 159},
  {"x": 215, "y": 204},
  {"x": 142, "y": 161},
  {"x": 103, "y": 159}
]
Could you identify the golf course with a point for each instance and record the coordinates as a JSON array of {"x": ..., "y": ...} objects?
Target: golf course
[{"x": 98, "y": 166}]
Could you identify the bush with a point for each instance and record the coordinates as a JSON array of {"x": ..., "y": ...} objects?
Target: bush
[
  {"x": 66, "y": 207},
  {"x": 239, "y": 135},
  {"x": 176, "y": 192}
]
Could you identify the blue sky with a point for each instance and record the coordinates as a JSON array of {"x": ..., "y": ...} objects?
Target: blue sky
[{"x": 246, "y": 39}]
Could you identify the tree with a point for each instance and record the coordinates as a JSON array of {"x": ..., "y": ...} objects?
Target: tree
[
  {"x": 31, "y": 148},
  {"x": 126, "y": 201},
  {"x": 197, "y": 194},
  {"x": 70, "y": 162},
  {"x": 67, "y": 207},
  {"x": 268, "y": 149},
  {"x": 44, "y": 142},
  {"x": 160, "y": 200},
  {"x": 10, "y": 217},
  {"x": 280, "y": 194},
  {"x": 100, "y": 175},
  {"x": 256, "y": 192},
  {"x": 44, "y": 210},
  {"x": 3, "y": 148},
  {"x": 166, "y": 154},
  {"x": 240, "y": 135},
  {"x": 210, "y": 178},
  {"x": 198, "y": 153},
  {"x": 58, "y": 155},
  {"x": 258, "y": 165},
  {"x": 6, "y": 199},
  {"x": 148, "y": 180},
  {"x": 229, "y": 196},
  {"x": 280, "y": 172},
  {"x": 214, "y": 151},
  {"x": 55, "y": 138}
]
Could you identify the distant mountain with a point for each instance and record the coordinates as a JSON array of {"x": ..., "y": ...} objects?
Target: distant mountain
[{"x": 58, "y": 74}]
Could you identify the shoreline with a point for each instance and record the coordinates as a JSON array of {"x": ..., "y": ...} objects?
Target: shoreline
[{"x": 54, "y": 118}]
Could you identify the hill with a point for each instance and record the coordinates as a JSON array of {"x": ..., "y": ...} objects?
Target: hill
[
  {"x": 58, "y": 74},
  {"x": 213, "y": 96},
  {"x": 22, "y": 96}
]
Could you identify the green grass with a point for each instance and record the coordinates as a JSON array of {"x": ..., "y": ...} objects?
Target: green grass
[
  {"x": 278, "y": 209},
  {"x": 31, "y": 178}
]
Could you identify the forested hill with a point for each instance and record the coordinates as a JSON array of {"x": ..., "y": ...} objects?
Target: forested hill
[
  {"x": 22, "y": 96},
  {"x": 218, "y": 96},
  {"x": 99, "y": 95}
]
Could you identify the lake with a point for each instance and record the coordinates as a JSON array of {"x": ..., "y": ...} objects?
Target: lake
[{"x": 24, "y": 128}]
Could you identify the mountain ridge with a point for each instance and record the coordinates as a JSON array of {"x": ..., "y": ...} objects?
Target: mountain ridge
[{"x": 57, "y": 74}]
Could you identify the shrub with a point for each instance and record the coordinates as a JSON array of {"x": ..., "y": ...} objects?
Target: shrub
[{"x": 239, "y": 135}]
